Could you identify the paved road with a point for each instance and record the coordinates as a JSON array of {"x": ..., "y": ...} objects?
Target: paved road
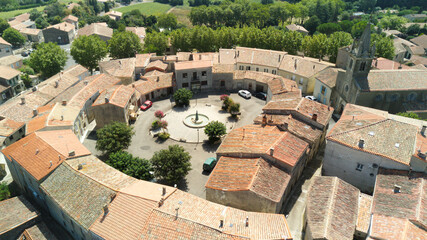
[
  {"x": 144, "y": 145},
  {"x": 70, "y": 61}
]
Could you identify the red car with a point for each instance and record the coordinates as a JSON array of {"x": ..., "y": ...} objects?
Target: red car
[{"x": 146, "y": 105}]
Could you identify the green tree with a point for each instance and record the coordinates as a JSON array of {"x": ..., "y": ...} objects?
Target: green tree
[
  {"x": 265, "y": 2},
  {"x": 34, "y": 14},
  {"x": 167, "y": 21},
  {"x": 292, "y": 42},
  {"x": 358, "y": 28},
  {"x": 27, "y": 80},
  {"x": 155, "y": 42},
  {"x": 392, "y": 22},
  {"x": 130, "y": 165},
  {"x": 182, "y": 96},
  {"x": 409, "y": 115},
  {"x": 55, "y": 9},
  {"x": 336, "y": 41},
  {"x": 234, "y": 109},
  {"x": 3, "y": 25},
  {"x": 172, "y": 164},
  {"x": 384, "y": 46},
  {"x": 315, "y": 46},
  {"x": 312, "y": 24},
  {"x": 88, "y": 51},
  {"x": 367, "y": 5},
  {"x": 13, "y": 37},
  {"x": 329, "y": 28},
  {"x": 215, "y": 130},
  {"x": 48, "y": 58},
  {"x": 124, "y": 45},
  {"x": 41, "y": 23},
  {"x": 4, "y": 191},
  {"x": 114, "y": 137}
]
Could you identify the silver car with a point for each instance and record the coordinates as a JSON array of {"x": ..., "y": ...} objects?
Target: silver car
[{"x": 245, "y": 93}]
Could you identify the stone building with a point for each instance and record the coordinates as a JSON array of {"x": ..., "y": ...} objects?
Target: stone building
[
  {"x": 33, "y": 34},
  {"x": 103, "y": 32},
  {"x": 72, "y": 20},
  {"x": 152, "y": 87},
  {"x": 298, "y": 28},
  {"x": 61, "y": 33},
  {"x": 124, "y": 69},
  {"x": 10, "y": 83},
  {"x": 194, "y": 75},
  {"x": 365, "y": 139},
  {"x": 12, "y": 61},
  {"x": 5, "y": 48}
]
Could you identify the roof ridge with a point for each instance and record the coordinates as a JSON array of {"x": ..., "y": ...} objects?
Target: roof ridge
[
  {"x": 258, "y": 164},
  {"x": 331, "y": 203},
  {"x": 359, "y": 128},
  {"x": 418, "y": 209}
]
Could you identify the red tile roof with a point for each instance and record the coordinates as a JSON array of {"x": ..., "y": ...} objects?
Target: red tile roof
[
  {"x": 192, "y": 65},
  {"x": 156, "y": 65},
  {"x": 41, "y": 152},
  {"x": 8, "y": 126}
]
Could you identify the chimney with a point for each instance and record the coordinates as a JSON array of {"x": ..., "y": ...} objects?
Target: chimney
[
  {"x": 247, "y": 222},
  {"x": 56, "y": 84},
  {"x": 37, "y": 151},
  {"x": 133, "y": 85},
  {"x": 264, "y": 120},
  {"x": 107, "y": 100},
  {"x": 423, "y": 131},
  {"x": 35, "y": 112},
  {"x": 163, "y": 191},
  {"x": 271, "y": 151},
  {"x": 176, "y": 58},
  {"x": 285, "y": 125},
  {"x": 221, "y": 223},
  {"x": 106, "y": 210},
  {"x": 314, "y": 66},
  {"x": 279, "y": 57},
  {"x": 62, "y": 117},
  {"x": 22, "y": 100},
  {"x": 295, "y": 64},
  {"x": 397, "y": 189},
  {"x": 161, "y": 202},
  {"x": 34, "y": 89},
  {"x": 314, "y": 117},
  {"x": 200, "y": 56},
  {"x": 238, "y": 53},
  {"x": 86, "y": 83},
  {"x": 71, "y": 153},
  {"x": 64, "y": 102},
  {"x": 361, "y": 143},
  {"x": 158, "y": 78}
]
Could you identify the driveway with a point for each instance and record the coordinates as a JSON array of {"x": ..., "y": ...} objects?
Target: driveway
[{"x": 144, "y": 145}]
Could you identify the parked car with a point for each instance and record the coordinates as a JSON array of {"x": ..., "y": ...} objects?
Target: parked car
[
  {"x": 245, "y": 93},
  {"x": 312, "y": 98},
  {"x": 146, "y": 105},
  {"x": 209, "y": 164},
  {"x": 260, "y": 95},
  {"x": 24, "y": 54}
]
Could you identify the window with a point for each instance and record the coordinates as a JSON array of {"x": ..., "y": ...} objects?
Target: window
[
  {"x": 248, "y": 68},
  {"x": 273, "y": 71},
  {"x": 241, "y": 67},
  {"x": 184, "y": 85},
  {"x": 359, "y": 167},
  {"x": 351, "y": 63},
  {"x": 257, "y": 69},
  {"x": 204, "y": 83},
  {"x": 17, "y": 64},
  {"x": 346, "y": 88},
  {"x": 3, "y": 95},
  {"x": 266, "y": 70},
  {"x": 7, "y": 50},
  {"x": 362, "y": 66},
  {"x": 222, "y": 83},
  {"x": 301, "y": 81},
  {"x": 293, "y": 77},
  {"x": 378, "y": 97},
  {"x": 323, "y": 90},
  {"x": 204, "y": 73},
  {"x": 184, "y": 75},
  {"x": 412, "y": 97}
]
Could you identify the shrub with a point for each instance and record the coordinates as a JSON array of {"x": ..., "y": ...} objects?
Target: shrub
[
  {"x": 215, "y": 130},
  {"x": 223, "y": 97},
  {"x": 155, "y": 124},
  {"x": 234, "y": 109},
  {"x": 172, "y": 164},
  {"x": 164, "y": 135},
  {"x": 163, "y": 124},
  {"x": 227, "y": 103},
  {"x": 182, "y": 97},
  {"x": 114, "y": 137},
  {"x": 4, "y": 191},
  {"x": 130, "y": 165},
  {"x": 159, "y": 114}
]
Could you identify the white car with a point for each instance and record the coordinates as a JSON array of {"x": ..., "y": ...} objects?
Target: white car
[
  {"x": 245, "y": 93},
  {"x": 312, "y": 98}
]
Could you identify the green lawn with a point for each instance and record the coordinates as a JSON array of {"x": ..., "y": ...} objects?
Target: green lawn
[
  {"x": 13, "y": 13},
  {"x": 182, "y": 13},
  {"x": 151, "y": 8}
]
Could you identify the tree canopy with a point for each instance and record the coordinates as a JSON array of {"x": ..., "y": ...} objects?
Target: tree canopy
[
  {"x": 3, "y": 25},
  {"x": 172, "y": 164},
  {"x": 215, "y": 130},
  {"x": 130, "y": 165},
  {"x": 114, "y": 137},
  {"x": 13, "y": 37},
  {"x": 88, "y": 51},
  {"x": 48, "y": 58},
  {"x": 124, "y": 45},
  {"x": 156, "y": 42},
  {"x": 182, "y": 97}
]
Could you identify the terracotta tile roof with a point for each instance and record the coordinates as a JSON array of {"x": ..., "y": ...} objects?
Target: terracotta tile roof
[
  {"x": 139, "y": 31},
  {"x": 227, "y": 56},
  {"x": 64, "y": 26},
  {"x": 223, "y": 68},
  {"x": 114, "y": 13},
  {"x": 257, "y": 56},
  {"x": 119, "y": 67},
  {"x": 7, "y": 72},
  {"x": 279, "y": 85},
  {"x": 124, "y": 212},
  {"x": 2, "y": 41},
  {"x": 385, "y": 227},
  {"x": 419, "y": 60},
  {"x": 142, "y": 60},
  {"x": 287, "y": 95},
  {"x": 151, "y": 84},
  {"x": 302, "y": 66},
  {"x": 72, "y": 5},
  {"x": 420, "y": 41},
  {"x": 396, "y": 80},
  {"x": 294, "y": 27},
  {"x": 63, "y": 115},
  {"x": 22, "y": 17},
  {"x": 208, "y": 214},
  {"x": 332, "y": 207},
  {"x": 38, "y": 232},
  {"x": 30, "y": 31},
  {"x": 118, "y": 95},
  {"x": 97, "y": 170},
  {"x": 386, "y": 64},
  {"x": 364, "y": 213},
  {"x": 233, "y": 174},
  {"x": 15, "y": 212},
  {"x": 96, "y": 29},
  {"x": 257, "y": 139},
  {"x": 71, "y": 18},
  {"x": 206, "y": 56},
  {"x": 8, "y": 126},
  {"x": 328, "y": 76},
  {"x": 41, "y": 152},
  {"x": 148, "y": 190},
  {"x": 183, "y": 56},
  {"x": 167, "y": 227},
  {"x": 8, "y": 60},
  {"x": 153, "y": 73},
  {"x": 410, "y": 203},
  {"x": 78, "y": 196},
  {"x": 192, "y": 65},
  {"x": 157, "y": 65}
]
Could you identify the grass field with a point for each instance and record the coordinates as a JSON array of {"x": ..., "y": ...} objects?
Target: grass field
[
  {"x": 13, "y": 13},
  {"x": 151, "y": 8},
  {"x": 182, "y": 14}
]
